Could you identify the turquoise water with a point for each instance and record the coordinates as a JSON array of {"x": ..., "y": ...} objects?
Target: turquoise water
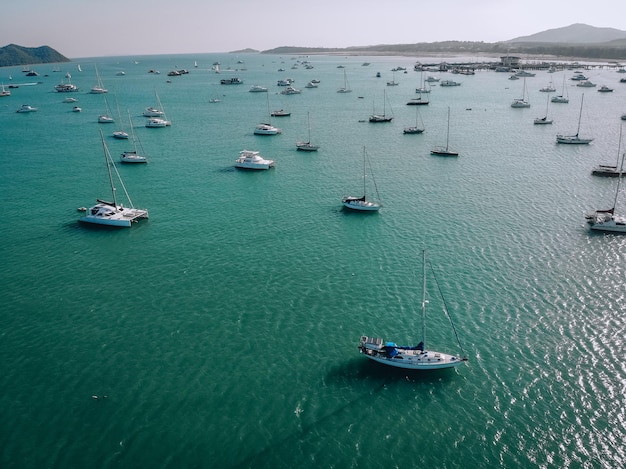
[{"x": 224, "y": 329}]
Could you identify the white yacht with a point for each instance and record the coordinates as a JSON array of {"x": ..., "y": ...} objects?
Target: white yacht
[
  {"x": 266, "y": 129},
  {"x": 258, "y": 89},
  {"x": 152, "y": 112},
  {"x": 252, "y": 160},
  {"x": 113, "y": 213},
  {"x": 156, "y": 122},
  {"x": 27, "y": 108},
  {"x": 65, "y": 88}
]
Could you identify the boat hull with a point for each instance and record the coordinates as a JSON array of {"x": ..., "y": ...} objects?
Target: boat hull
[
  {"x": 361, "y": 205},
  {"x": 408, "y": 358}
]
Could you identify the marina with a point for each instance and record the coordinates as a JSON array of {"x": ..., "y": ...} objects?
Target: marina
[{"x": 239, "y": 345}]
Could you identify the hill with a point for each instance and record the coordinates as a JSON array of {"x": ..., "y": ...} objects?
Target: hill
[
  {"x": 573, "y": 34},
  {"x": 18, "y": 55},
  {"x": 577, "y": 41}
]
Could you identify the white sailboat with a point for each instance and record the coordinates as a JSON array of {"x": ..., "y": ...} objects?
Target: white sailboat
[
  {"x": 575, "y": 139},
  {"x": 563, "y": 97},
  {"x": 99, "y": 87},
  {"x": 307, "y": 146},
  {"x": 113, "y": 213},
  {"x": 523, "y": 101},
  {"x": 158, "y": 118},
  {"x": 361, "y": 203},
  {"x": 267, "y": 128},
  {"x": 544, "y": 119},
  {"x": 415, "y": 357},
  {"x": 106, "y": 117},
  {"x": 381, "y": 117},
  {"x": 607, "y": 220},
  {"x": 132, "y": 156},
  {"x": 346, "y": 87},
  {"x": 445, "y": 151},
  {"x": 121, "y": 134}
]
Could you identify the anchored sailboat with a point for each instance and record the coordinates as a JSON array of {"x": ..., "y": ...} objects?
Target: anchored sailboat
[{"x": 416, "y": 357}]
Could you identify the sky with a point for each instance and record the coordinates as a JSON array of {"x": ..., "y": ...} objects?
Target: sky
[{"x": 85, "y": 28}]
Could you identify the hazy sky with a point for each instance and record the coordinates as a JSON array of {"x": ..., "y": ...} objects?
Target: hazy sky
[{"x": 86, "y": 28}]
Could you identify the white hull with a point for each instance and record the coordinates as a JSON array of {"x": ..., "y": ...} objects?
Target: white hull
[
  {"x": 617, "y": 225},
  {"x": 104, "y": 214},
  {"x": 132, "y": 157},
  {"x": 408, "y": 358},
  {"x": 354, "y": 203},
  {"x": 266, "y": 129},
  {"x": 305, "y": 146},
  {"x": 157, "y": 123}
]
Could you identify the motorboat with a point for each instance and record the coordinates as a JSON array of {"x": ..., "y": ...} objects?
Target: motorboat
[
  {"x": 26, "y": 108},
  {"x": 586, "y": 84},
  {"x": 290, "y": 90},
  {"x": 152, "y": 112},
  {"x": 65, "y": 88},
  {"x": 76, "y": 109},
  {"x": 579, "y": 77},
  {"x": 449, "y": 83},
  {"x": 70, "y": 100},
  {"x": 524, "y": 73},
  {"x": 252, "y": 160},
  {"x": 257, "y": 89},
  {"x": 266, "y": 129},
  {"x": 231, "y": 81},
  {"x": 605, "y": 89},
  {"x": 155, "y": 122}
]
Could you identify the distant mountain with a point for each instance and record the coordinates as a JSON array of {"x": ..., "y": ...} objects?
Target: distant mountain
[
  {"x": 244, "y": 51},
  {"x": 18, "y": 55},
  {"x": 573, "y": 34}
]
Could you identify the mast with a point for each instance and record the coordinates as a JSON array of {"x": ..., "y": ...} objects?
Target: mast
[
  {"x": 424, "y": 298},
  {"x": 621, "y": 168},
  {"x": 107, "y": 158},
  {"x": 580, "y": 114},
  {"x": 364, "y": 173},
  {"x": 448, "y": 131}
]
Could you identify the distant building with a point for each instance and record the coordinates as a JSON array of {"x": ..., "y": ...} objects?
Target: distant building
[{"x": 510, "y": 61}]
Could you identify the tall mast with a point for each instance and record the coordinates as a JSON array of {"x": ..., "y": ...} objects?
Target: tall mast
[
  {"x": 621, "y": 168},
  {"x": 580, "y": 114},
  {"x": 363, "y": 173},
  {"x": 448, "y": 131},
  {"x": 424, "y": 298},
  {"x": 107, "y": 158}
]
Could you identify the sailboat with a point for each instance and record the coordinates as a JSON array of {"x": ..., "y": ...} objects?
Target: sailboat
[
  {"x": 121, "y": 134},
  {"x": 544, "y": 120},
  {"x": 562, "y": 98},
  {"x": 361, "y": 203},
  {"x": 267, "y": 128},
  {"x": 99, "y": 87},
  {"x": 523, "y": 101},
  {"x": 607, "y": 220},
  {"x": 113, "y": 213},
  {"x": 445, "y": 151},
  {"x": 415, "y": 357},
  {"x": 307, "y": 146},
  {"x": 610, "y": 170},
  {"x": 106, "y": 117},
  {"x": 417, "y": 129},
  {"x": 346, "y": 87},
  {"x": 131, "y": 156},
  {"x": 156, "y": 116},
  {"x": 575, "y": 139},
  {"x": 381, "y": 117}
]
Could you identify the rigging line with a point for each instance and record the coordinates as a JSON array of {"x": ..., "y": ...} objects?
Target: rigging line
[{"x": 445, "y": 308}]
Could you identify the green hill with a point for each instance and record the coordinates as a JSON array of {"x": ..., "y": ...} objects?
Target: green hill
[{"x": 17, "y": 55}]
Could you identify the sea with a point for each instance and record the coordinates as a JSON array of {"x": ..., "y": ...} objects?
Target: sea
[{"x": 223, "y": 331}]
